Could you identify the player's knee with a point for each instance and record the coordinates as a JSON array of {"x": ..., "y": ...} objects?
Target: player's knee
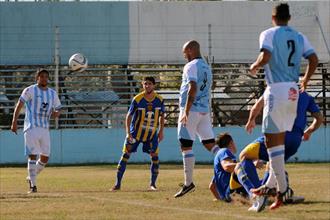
[
  {"x": 153, "y": 154},
  {"x": 126, "y": 156},
  {"x": 242, "y": 155},
  {"x": 209, "y": 141},
  {"x": 44, "y": 159},
  {"x": 186, "y": 144},
  {"x": 33, "y": 157},
  {"x": 154, "y": 159},
  {"x": 128, "y": 149}
]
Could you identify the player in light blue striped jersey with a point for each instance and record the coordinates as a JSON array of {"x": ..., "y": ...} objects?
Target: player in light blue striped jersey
[
  {"x": 40, "y": 103},
  {"x": 281, "y": 50},
  {"x": 194, "y": 118}
]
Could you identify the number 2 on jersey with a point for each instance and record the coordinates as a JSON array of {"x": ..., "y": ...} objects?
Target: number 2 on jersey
[{"x": 291, "y": 46}]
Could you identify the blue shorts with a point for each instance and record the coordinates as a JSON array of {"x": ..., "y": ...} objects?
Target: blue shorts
[
  {"x": 292, "y": 143},
  {"x": 149, "y": 146}
]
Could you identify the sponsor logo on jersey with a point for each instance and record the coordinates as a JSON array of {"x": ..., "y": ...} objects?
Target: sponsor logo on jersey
[{"x": 293, "y": 94}]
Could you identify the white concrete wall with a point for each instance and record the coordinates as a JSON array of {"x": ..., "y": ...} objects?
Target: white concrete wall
[
  {"x": 158, "y": 29},
  {"x": 146, "y": 32}
]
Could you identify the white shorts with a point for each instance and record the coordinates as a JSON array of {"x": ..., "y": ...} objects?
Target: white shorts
[
  {"x": 198, "y": 124},
  {"x": 280, "y": 108},
  {"x": 37, "y": 141}
]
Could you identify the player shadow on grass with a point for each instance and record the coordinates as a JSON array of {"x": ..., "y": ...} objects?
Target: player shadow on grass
[{"x": 314, "y": 202}]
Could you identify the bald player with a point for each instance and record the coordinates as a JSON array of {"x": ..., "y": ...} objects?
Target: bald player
[{"x": 194, "y": 118}]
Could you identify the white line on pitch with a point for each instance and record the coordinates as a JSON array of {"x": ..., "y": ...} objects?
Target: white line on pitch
[{"x": 198, "y": 211}]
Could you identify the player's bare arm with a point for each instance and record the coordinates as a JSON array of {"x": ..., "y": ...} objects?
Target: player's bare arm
[
  {"x": 161, "y": 128},
  {"x": 190, "y": 100},
  {"x": 15, "y": 117},
  {"x": 228, "y": 165},
  {"x": 262, "y": 60},
  {"x": 318, "y": 120},
  {"x": 310, "y": 69},
  {"x": 254, "y": 112},
  {"x": 127, "y": 126}
]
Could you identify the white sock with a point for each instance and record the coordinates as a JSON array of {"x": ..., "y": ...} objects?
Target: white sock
[
  {"x": 271, "y": 181},
  {"x": 40, "y": 166},
  {"x": 32, "y": 172},
  {"x": 276, "y": 160},
  {"x": 215, "y": 149},
  {"x": 188, "y": 166}
]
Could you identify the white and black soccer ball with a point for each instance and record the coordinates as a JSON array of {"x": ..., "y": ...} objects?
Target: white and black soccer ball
[{"x": 78, "y": 62}]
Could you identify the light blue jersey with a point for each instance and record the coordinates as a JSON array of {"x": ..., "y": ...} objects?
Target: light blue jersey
[
  {"x": 198, "y": 71},
  {"x": 39, "y": 105},
  {"x": 287, "y": 46}
]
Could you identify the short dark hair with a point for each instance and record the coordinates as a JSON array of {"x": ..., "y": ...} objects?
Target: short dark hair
[
  {"x": 223, "y": 140},
  {"x": 149, "y": 78},
  {"x": 40, "y": 71},
  {"x": 282, "y": 12}
]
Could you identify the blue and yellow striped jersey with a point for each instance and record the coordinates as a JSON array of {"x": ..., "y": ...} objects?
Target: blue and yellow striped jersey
[{"x": 145, "y": 116}]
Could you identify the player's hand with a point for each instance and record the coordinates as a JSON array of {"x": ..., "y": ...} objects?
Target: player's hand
[
  {"x": 184, "y": 119},
  {"x": 253, "y": 69},
  {"x": 130, "y": 138},
  {"x": 259, "y": 164},
  {"x": 160, "y": 136},
  {"x": 56, "y": 114},
  {"x": 306, "y": 136},
  {"x": 13, "y": 127},
  {"x": 250, "y": 125}
]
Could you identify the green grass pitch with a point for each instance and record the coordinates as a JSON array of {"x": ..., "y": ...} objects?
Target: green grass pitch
[{"x": 82, "y": 192}]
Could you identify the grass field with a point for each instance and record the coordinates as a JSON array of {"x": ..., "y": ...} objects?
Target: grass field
[{"x": 82, "y": 193}]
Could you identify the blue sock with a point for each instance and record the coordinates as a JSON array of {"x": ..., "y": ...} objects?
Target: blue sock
[
  {"x": 265, "y": 178},
  {"x": 154, "y": 170},
  {"x": 247, "y": 175},
  {"x": 121, "y": 168}
]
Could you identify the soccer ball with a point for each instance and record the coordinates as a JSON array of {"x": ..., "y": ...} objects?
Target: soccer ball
[{"x": 78, "y": 62}]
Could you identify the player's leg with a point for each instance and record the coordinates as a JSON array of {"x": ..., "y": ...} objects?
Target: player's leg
[
  {"x": 186, "y": 135},
  {"x": 154, "y": 166},
  {"x": 128, "y": 148},
  {"x": 154, "y": 170},
  {"x": 292, "y": 143},
  {"x": 32, "y": 146},
  {"x": 213, "y": 189},
  {"x": 279, "y": 114},
  {"x": 44, "y": 149},
  {"x": 247, "y": 175},
  {"x": 206, "y": 134}
]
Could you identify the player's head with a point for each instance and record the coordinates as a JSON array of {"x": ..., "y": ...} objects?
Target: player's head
[
  {"x": 281, "y": 14},
  {"x": 42, "y": 77},
  {"x": 148, "y": 84},
  {"x": 191, "y": 50},
  {"x": 224, "y": 140}
]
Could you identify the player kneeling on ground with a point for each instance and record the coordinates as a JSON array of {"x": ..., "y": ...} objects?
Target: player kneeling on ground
[
  {"x": 41, "y": 103},
  {"x": 230, "y": 176},
  {"x": 145, "y": 115}
]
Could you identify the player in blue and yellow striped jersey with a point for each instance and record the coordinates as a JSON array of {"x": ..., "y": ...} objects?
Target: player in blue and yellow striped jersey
[{"x": 144, "y": 117}]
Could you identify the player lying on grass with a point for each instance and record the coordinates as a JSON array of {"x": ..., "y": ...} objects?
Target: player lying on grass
[
  {"x": 257, "y": 149},
  {"x": 144, "y": 117},
  {"x": 40, "y": 103},
  {"x": 231, "y": 176}
]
